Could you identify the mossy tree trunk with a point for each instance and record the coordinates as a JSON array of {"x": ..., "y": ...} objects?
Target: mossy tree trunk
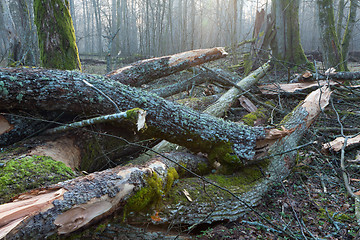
[
  {"x": 331, "y": 50},
  {"x": 56, "y": 35},
  {"x": 354, "y": 4},
  {"x": 286, "y": 46}
]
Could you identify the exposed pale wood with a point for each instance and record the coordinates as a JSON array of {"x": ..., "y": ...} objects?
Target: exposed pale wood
[
  {"x": 63, "y": 150},
  {"x": 293, "y": 87},
  {"x": 5, "y": 126},
  {"x": 338, "y": 143},
  {"x": 145, "y": 71}
]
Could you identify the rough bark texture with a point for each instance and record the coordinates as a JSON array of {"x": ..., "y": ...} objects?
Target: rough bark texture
[
  {"x": 286, "y": 44},
  {"x": 56, "y": 35},
  {"x": 145, "y": 71},
  {"x": 40, "y": 90},
  {"x": 225, "y": 101},
  {"x": 180, "y": 86},
  {"x": 348, "y": 31},
  {"x": 332, "y": 55},
  {"x": 70, "y": 205}
]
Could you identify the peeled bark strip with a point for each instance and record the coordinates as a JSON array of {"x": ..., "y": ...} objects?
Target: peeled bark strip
[
  {"x": 293, "y": 87},
  {"x": 50, "y": 90},
  {"x": 138, "y": 114},
  {"x": 145, "y": 71}
]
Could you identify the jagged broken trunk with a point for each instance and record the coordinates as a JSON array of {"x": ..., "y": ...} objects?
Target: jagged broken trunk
[{"x": 65, "y": 207}]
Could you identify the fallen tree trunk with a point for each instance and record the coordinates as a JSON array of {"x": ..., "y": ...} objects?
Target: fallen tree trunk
[
  {"x": 145, "y": 71},
  {"x": 220, "y": 107},
  {"x": 68, "y": 206},
  {"x": 180, "y": 86},
  {"x": 38, "y": 90}
]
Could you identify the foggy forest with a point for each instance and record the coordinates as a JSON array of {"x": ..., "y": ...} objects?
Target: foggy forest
[{"x": 179, "y": 119}]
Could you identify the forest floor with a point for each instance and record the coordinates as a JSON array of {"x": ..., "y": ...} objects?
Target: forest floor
[{"x": 312, "y": 203}]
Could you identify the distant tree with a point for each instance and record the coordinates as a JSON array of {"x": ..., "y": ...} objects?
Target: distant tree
[
  {"x": 8, "y": 31},
  {"x": 56, "y": 34},
  {"x": 354, "y": 4},
  {"x": 331, "y": 49},
  {"x": 286, "y": 44}
]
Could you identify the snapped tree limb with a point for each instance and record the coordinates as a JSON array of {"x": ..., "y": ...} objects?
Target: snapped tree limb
[{"x": 145, "y": 71}]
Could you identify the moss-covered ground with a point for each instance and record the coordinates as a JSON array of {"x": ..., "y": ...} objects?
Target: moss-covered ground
[{"x": 26, "y": 173}]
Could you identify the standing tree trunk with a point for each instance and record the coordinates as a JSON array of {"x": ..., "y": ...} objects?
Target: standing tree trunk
[
  {"x": 331, "y": 51},
  {"x": 348, "y": 31},
  {"x": 56, "y": 35},
  {"x": 8, "y": 30},
  {"x": 286, "y": 44}
]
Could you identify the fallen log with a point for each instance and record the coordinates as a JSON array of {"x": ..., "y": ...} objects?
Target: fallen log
[
  {"x": 68, "y": 206},
  {"x": 339, "y": 76},
  {"x": 226, "y": 100},
  {"x": 145, "y": 71},
  {"x": 180, "y": 86},
  {"x": 39, "y": 90},
  {"x": 219, "y": 108}
]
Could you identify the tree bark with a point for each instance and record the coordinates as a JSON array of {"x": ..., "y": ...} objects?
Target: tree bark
[
  {"x": 145, "y": 71},
  {"x": 331, "y": 51},
  {"x": 40, "y": 90},
  {"x": 345, "y": 43},
  {"x": 56, "y": 35},
  {"x": 71, "y": 205},
  {"x": 286, "y": 44}
]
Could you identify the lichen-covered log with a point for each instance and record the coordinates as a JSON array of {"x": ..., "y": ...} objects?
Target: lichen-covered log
[
  {"x": 38, "y": 90},
  {"x": 210, "y": 204},
  {"x": 221, "y": 105},
  {"x": 145, "y": 71},
  {"x": 71, "y": 205},
  {"x": 68, "y": 206}
]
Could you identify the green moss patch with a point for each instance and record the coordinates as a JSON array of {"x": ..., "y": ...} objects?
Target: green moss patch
[
  {"x": 240, "y": 182},
  {"x": 249, "y": 119},
  {"x": 20, "y": 175},
  {"x": 146, "y": 196}
]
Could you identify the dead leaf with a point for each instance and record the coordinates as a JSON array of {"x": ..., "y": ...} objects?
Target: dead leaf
[
  {"x": 156, "y": 217},
  {"x": 187, "y": 195}
]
